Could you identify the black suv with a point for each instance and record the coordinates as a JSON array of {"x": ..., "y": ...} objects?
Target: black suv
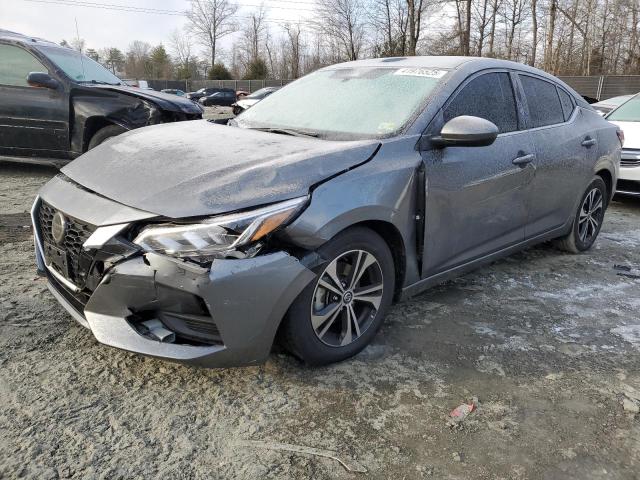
[
  {"x": 223, "y": 98},
  {"x": 56, "y": 103}
]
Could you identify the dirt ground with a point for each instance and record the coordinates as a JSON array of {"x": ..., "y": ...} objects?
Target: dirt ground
[{"x": 548, "y": 342}]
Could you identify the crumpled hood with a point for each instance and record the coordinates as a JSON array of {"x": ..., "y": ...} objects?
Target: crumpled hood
[
  {"x": 631, "y": 133},
  {"x": 199, "y": 168},
  {"x": 166, "y": 101}
]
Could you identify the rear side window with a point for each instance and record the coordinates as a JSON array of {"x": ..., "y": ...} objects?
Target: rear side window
[
  {"x": 567, "y": 103},
  {"x": 543, "y": 101},
  {"x": 489, "y": 96},
  {"x": 16, "y": 65}
]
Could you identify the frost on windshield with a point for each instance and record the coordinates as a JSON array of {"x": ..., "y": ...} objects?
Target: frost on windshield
[{"x": 361, "y": 101}]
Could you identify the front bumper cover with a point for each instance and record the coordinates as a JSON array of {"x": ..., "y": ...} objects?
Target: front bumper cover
[{"x": 246, "y": 298}]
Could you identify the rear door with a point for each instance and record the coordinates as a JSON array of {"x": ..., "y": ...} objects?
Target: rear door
[
  {"x": 33, "y": 121},
  {"x": 565, "y": 151},
  {"x": 476, "y": 197}
]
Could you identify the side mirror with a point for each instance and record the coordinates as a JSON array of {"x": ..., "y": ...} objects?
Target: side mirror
[
  {"x": 466, "y": 131},
  {"x": 42, "y": 80}
]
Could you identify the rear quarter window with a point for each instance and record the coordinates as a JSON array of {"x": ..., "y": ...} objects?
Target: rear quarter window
[
  {"x": 543, "y": 102},
  {"x": 567, "y": 103}
]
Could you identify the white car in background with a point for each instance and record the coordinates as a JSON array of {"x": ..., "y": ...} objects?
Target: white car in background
[
  {"x": 627, "y": 118},
  {"x": 605, "y": 106},
  {"x": 250, "y": 100}
]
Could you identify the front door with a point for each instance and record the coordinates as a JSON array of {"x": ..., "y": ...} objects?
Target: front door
[
  {"x": 33, "y": 121},
  {"x": 477, "y": 197}
]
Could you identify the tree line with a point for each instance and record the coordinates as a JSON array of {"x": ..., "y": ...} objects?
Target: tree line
[{"x": 563, "y": 37}]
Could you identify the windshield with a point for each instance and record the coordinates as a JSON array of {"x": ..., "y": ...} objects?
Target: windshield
[
  {"x": 258, "y": 94},
  {"x": 627, "y": 112},
  {"x": 79, "y": 67},
  {"x": 361, "y": 102}
]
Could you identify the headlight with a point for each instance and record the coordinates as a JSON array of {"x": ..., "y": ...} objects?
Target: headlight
[{"x": 218, "y": 237}]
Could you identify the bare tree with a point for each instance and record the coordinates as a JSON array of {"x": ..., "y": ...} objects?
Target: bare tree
[
  {"x": 295, "y": 46},
  {"x": 181, "y": 47},
  {"x": 342, "y": 22},
  {"x": 211, "y": 20}
]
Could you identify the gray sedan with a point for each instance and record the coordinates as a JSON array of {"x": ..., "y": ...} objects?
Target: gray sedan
[{"x": 351, "y": 188}]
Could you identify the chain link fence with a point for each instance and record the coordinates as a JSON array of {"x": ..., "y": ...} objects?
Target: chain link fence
[
  {"x": 598, "y": 87},
  {"x": 192, "y": 85}
]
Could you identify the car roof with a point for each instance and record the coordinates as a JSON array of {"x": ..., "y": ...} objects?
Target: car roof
[
  {"x": 25, "y": 39},
  {"x": 444, "y": 62}
]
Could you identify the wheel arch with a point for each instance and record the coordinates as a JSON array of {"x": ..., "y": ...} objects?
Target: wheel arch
[
  {"x": 92, "y": 126},
  {"x": 607, "y": 177},
  {"x": 392, "y": 237}
]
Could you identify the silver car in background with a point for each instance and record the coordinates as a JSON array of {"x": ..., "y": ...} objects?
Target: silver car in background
[{"x": 351, "y": 188}]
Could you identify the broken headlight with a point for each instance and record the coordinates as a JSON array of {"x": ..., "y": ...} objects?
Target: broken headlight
[{"x": 218, "y": 237}]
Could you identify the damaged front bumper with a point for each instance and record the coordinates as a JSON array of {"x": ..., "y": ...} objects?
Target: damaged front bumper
[{"x": 222, "y": 316}]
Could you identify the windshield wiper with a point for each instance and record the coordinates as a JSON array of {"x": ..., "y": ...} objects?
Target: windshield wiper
[
  {"x": 286, "y": 131},
  {"x": 98, "y": 82}
]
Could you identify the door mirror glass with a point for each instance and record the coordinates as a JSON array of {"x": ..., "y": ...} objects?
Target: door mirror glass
[
  {"x": 466, "y": 131},
  {"x": 42, "y": 80}
]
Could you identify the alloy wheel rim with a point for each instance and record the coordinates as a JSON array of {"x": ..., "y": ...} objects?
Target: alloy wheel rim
[
  {"x": 590, "y": 215},
  {"x": 347, "y": 298}
]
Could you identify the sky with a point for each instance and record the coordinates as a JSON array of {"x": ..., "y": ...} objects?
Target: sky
[{"x": 55, "y": 19}]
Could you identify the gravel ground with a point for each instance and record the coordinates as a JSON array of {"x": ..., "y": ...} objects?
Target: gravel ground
[{"x": 548, "y": 342}]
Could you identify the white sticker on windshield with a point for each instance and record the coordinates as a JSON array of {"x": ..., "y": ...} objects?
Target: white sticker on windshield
[{"x": 421, "y": 72}]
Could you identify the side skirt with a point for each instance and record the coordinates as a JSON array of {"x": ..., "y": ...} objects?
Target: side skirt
[{"x": 442, "y": 277}]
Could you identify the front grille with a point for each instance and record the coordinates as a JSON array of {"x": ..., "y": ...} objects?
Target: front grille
[
  {"x": 630, "y": 158},
  {"x": 76, "y": 234}
]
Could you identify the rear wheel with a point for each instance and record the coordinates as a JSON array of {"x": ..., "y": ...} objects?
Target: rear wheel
[
  {"x": 104, "y": 134},
  {"x": 339, "y": 313},
  {"x": 588, "y": 219}
]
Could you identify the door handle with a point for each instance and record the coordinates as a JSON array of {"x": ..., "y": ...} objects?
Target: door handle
[
  {"x": 589, "y": 142},
  {"x": 524, "y": 160}
]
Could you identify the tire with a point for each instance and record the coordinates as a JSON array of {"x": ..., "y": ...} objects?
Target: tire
[
  {"x": 237, "y": 110},
  {"x": 319, "y": 342},
  {"x": 105, "y": 133},
  {"x": 589, "y": 216}
]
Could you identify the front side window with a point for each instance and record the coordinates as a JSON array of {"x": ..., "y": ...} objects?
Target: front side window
[
  {"x": 543, "y": 101},
  {"x": 347, "y": 103},
  {"x": 78, "y": 67},
  {"x": 489, "y": 96},
  {"x": 627, "y": 112},
  {"x": 16, "y": 64}
]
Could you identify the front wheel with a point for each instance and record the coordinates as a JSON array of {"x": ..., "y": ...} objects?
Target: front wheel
[
  {"x": 588, "y": 220},
  {"x": 104, "y": 134},
  {"x": 339, "y": 313}
]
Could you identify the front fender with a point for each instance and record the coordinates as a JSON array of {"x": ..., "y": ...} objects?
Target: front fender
[
  {"x": 383, "y": 190},
  {"x": 103, "y": 108}
]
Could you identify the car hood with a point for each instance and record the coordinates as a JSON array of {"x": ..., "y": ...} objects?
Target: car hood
[
  {"x": 631, "y": 134},
  {"x": 199, "y": 168},
  {"x": 166, "y": 101}
]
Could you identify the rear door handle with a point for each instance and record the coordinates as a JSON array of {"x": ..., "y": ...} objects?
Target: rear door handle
[
  {"x": 524, "y": 160},
  {"x": 589, "y": 142}
]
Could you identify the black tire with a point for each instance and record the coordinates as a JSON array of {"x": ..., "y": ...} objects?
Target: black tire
[
  {"x": 237, "y": 110},
  {"x": 576, "y": 241},
  {"x": 105, "y": 133},
  {"x": 297, "y": 333}
]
